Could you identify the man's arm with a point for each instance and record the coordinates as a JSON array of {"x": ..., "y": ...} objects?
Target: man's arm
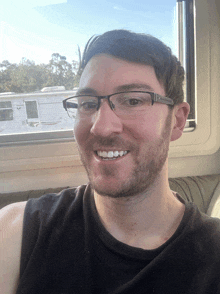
[{"x": 11, "y": 225}]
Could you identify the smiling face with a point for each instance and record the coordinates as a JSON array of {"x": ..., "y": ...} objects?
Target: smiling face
[{"x": 123, "y": 157}]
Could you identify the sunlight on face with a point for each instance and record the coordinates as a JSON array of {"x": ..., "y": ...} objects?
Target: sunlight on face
[{"x": 145, "y": 139}]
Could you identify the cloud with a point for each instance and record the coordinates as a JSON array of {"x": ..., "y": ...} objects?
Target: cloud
[
  {"x": 46, "y": 2},
  {"x": 119, "y": 8}
]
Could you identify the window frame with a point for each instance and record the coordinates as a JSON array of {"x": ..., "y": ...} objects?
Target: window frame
[
  {"x": 205, "y": 139},
  {"x": 7, "y": 108}
]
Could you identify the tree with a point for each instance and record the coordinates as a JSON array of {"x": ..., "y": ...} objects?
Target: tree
[
  {"x": 28, "y": 77},
  {"x": 61, "y": 73}
]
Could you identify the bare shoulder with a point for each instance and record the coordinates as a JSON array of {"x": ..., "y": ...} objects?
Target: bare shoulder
[{"x": 11, "y": 225}]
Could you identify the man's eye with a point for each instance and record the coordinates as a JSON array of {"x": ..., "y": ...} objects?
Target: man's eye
[
  {"x": 132, "y": 102},
  {"x": 87, "y": 106}
]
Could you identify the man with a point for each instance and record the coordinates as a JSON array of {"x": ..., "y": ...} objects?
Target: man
[{"x": 126, "y": 231}]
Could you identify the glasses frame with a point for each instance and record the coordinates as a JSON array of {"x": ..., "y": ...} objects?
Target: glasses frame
[{"x": 154, "y": 98}]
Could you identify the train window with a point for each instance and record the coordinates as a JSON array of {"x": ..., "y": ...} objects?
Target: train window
[
  {"x": 39, "y": 62},
  {"x": 40, "y": 42}
]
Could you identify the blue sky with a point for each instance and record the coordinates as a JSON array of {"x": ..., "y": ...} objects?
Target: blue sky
[{"x": 37, "y": 28}]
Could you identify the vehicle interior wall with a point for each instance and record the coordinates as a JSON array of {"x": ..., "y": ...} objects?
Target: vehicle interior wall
[{"x": 207, "y": 46}]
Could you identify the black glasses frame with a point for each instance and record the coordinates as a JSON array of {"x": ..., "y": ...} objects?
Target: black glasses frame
[{"x": 154, "y": 98}]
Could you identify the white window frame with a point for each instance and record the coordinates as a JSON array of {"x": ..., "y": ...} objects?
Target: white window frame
[
  {"x": 8, "y": 108},
  {"x": 205, "y": 139},
  {"x": 56, "y": 163}
]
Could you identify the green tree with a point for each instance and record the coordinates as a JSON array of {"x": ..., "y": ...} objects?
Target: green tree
[
  {"x": 28, "y": 77},
  {"x": 60, "y": 72},
  {"x": 6, "y": 71}
]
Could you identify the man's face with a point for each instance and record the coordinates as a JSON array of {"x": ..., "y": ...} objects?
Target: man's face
[{"x": 143, "y": 141}]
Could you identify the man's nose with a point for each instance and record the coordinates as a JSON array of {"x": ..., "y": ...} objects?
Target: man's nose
[{"x": 106, "y": 122}]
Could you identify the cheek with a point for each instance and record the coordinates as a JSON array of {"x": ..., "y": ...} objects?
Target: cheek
[
  {"x": 159, "y": 127},
  {"x": 81, "y": 132},
  {"x": 154, "y": 122},
  {"x": 148, "y": 129}
]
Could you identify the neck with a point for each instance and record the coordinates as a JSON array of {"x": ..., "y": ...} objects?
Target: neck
[{"x": 146, "y": 220}]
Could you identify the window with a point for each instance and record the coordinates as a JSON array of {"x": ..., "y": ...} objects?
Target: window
[
  {"x": 31, "y": 109},
  {"x": 6, "y": 112},
  {"x": 40, "y": 62},
  {"x": 186, "y": 51}
]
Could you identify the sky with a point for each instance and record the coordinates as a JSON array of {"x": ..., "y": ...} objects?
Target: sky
[{"x": 35, "y": 29}]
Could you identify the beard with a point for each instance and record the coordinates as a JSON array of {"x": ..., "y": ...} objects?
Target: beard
[{"x": 147, "y": 167}]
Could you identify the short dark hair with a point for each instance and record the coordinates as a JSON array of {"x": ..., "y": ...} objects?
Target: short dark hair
[{"x": 144, "y": 49}]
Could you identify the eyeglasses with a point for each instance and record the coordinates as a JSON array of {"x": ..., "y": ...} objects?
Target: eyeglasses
[{"x": 125, "y": 104}]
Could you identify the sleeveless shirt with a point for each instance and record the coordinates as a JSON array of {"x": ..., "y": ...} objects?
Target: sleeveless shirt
[{"x": 66, "y": 249}]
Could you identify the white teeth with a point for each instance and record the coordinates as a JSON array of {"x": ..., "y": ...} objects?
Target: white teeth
[
  {"x": 111, "y": 154},
  {"x": 121, "y": 153}
]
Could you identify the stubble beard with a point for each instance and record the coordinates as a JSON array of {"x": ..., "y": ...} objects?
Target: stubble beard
[{"x": 146, "y": 172}]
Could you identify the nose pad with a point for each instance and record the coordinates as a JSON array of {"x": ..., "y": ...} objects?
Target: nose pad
[
  {"x": 112, "y": 105},
  {"x": 105, "y": 121}
]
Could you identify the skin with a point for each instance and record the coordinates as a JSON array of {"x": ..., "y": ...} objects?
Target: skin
[
  {"x": 11, "y": 224},
  {"x": 132, "y": 194}
]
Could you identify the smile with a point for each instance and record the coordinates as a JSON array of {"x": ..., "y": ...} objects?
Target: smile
[{"x": 110, "y": 155}]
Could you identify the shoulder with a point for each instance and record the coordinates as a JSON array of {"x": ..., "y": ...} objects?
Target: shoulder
[
  {"x": 201, "y": 230},
  {"x": 11, "y": 225},
  {"x": 211, "y": 228},
  {"x": 209, "y": 225},
  {"x": 53, "y": 204},
  {"x": 46, "y": 214},
  {"x": 11, "y": 220},
  {"x": 206, "y": 232}
]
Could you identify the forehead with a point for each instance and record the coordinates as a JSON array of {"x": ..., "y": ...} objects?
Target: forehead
[{"x": 105, "y": 74}]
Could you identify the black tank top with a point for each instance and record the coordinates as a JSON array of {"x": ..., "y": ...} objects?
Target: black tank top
[{"x": 66, "y": 249}]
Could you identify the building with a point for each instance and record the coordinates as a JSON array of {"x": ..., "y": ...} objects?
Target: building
[{"x": 34, "y": 112}]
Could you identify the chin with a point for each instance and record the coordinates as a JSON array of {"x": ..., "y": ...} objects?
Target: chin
[{"x": 133, "y": 186}]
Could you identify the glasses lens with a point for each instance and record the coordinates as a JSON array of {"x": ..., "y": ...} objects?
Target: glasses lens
[
  {"x": 130, "y": 103},
  {"x": 87, "y": 104},
  {"x": 71, "y": 106},
  {"x": 84, "y": 105}
]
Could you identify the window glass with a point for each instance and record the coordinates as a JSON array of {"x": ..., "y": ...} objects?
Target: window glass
[
  {"x": 40, "y": 43},
  {"x": 31, "y": 109},
  {"x": 6, "y": 112}
]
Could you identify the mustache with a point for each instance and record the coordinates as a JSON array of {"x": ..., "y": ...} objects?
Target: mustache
[{"x": 98, "y": 142}]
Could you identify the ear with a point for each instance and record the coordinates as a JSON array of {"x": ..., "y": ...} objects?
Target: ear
[{"x": 180, "y": 114}]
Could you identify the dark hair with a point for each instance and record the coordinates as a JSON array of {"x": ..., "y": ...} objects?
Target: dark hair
[{"x": 144, "y": 49}]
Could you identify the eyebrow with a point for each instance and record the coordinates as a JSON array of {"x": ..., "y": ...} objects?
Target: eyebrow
[
  {"x": 86, "y": 91},
  {"x": 133, "y": 86},
  {"x": 121, "y": 88}
]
